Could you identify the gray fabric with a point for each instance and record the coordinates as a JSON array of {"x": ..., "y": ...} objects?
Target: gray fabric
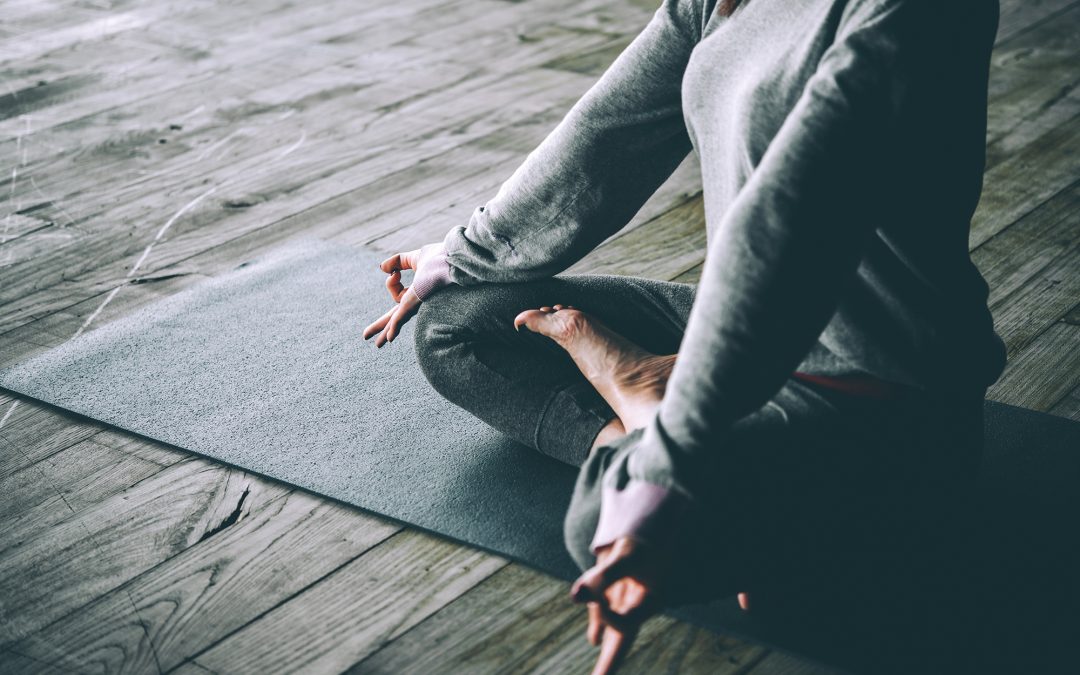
[
  {"x": 810, "y": 470},
  {"x": 841, "y": 144},
  {"x": 264, "y": 368},
  {"x": 522, "y": 383}
]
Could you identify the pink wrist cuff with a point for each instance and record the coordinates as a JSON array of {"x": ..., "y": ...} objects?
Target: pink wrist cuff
[
  {"x": 641, "y": 510},
  {"x": 434, "y": 275}
]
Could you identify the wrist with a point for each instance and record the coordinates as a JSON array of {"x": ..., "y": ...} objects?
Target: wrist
[
  {"x": 640, "y": 510},
  {"x": 434, "y": 273}
]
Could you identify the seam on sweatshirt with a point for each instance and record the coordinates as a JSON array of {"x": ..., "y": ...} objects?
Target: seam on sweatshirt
[{"x": 544, "y": 227}]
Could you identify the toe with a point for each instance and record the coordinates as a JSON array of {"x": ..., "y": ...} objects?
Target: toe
[
  {"x": 559, "y": 326},
  {"x": 528, "y": 319}
]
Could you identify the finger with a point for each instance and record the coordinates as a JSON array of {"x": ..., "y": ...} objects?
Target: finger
[
  {"x": 545, "y": 309},
  {"x": 744, "y": 601},
  {"x": 612, "y": 651},
  {"x": 592, "y": 583},
  {"x": 381, "y": 339},
  {"x": 394, "y": 285},
  {"x": 627, "y": 616},
  {"x": 404, "y": 310},
  {"x": 557, "y": 307},
  {"x": 595, "y": 631},
  {"x": 400, "y": 261},
  {"x": 390, "y": 264},
  {"x": 378, "y": 324}
]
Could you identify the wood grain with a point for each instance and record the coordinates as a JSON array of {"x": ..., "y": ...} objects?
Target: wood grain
[
  {"x": 380, "y": 596},
  {"x": 279, "y": 543}
]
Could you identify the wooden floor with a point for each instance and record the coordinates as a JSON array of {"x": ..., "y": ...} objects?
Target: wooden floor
[{"x": 146, "y": 146}]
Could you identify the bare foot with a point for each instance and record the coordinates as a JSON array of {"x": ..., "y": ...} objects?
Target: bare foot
[{"x": 629, "y": 378}]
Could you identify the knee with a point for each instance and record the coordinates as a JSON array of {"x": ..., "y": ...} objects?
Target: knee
[
  {"x": 435, "y": 334},
  {"x": 444, "y": 324}
]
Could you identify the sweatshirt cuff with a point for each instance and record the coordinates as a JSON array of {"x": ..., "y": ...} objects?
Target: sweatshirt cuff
[
  {"x": 434, "y": 275},
  {"x": 641, "y": 510}
]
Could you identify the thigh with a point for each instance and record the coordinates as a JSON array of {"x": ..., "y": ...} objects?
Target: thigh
[
  {"x": 523, "y": 383},
  {"x": 651, "y": 313}
]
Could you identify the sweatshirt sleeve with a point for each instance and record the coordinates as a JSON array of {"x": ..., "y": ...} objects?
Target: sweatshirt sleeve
[
  {"x": 771, "y": 280},
  {"x": 617, "y": 144}
]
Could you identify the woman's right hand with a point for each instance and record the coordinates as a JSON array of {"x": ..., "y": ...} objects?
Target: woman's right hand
[{"x": 430, "y": 267}]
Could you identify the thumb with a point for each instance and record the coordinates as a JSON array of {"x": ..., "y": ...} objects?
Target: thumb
[
  {"x": 410, "y": 259},
  {"x": 590, "y": 586}
]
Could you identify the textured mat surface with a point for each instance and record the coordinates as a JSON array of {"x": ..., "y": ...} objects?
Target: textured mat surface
[{"x": 265, "y": 368}]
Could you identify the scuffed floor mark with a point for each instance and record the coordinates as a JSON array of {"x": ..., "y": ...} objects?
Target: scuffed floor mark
[
  {"x": 231, "y": 519},
  {"x": 159, "y": 277},
  {"x": 11, "y": 409}
]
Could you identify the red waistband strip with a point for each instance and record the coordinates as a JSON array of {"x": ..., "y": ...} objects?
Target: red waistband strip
[{"x": 857, "y": 385}]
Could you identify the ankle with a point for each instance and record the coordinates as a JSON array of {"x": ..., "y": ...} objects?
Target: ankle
[{"x": 611, "y": 431}]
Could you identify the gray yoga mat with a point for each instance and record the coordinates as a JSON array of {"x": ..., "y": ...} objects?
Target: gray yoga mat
[{"x": 265, "y": 368}]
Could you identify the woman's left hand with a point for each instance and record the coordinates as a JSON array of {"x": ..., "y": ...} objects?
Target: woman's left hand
[{"x": 622, "y": 590}]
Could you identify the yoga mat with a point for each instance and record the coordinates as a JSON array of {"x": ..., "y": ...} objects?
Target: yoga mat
[{"x": 264, "y": 367}]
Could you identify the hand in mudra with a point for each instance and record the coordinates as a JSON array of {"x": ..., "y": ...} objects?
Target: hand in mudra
[
  {"x": 622, "y": 590},
  {"x": 389, "y": 324}
]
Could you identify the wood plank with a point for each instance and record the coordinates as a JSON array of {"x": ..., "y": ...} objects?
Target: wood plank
[
  {"x": 97, "y": 28},
  {"x": 1033, "y": 85},
  {"x": 38, "y": 243},
  {"x": 519, "y": 620},
  {"x": 13, "y": 662},
  {"x": 1012, "y": 258},
  {"x": 355, "y": 611},
  {"x": 319, "y": 37},
  {"x": 73, "y": 486},
  {"x": 1039, "y": 303},
  {"x": 1044, "y": 372},
  {"x": 198, "y": 46},
  {"x": 1019, "y": 16},
  {"x": 19, "y": 223},
  {"x": 104, "y": 464},
  {"x": 660, "y": 249},
  {"x": 32, "y": 431},
  {"x": 1069, "y": 406},
  {"x": 281, "y": 544},
  {"x": 1030, "y": 268},
  {"x": 104, "y": 546},
  {"x": 690, "y": 276},
  {"x": 1018, "y": 185}
]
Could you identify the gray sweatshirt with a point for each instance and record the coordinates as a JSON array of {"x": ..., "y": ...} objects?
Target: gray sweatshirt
[{"x": 842, "y": 147}]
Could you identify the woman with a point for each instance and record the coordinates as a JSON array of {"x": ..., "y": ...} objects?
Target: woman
[{"x": 821, "y": 388}]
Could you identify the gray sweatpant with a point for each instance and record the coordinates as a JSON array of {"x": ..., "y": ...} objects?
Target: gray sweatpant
[{"x": 811, "y": 471}]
